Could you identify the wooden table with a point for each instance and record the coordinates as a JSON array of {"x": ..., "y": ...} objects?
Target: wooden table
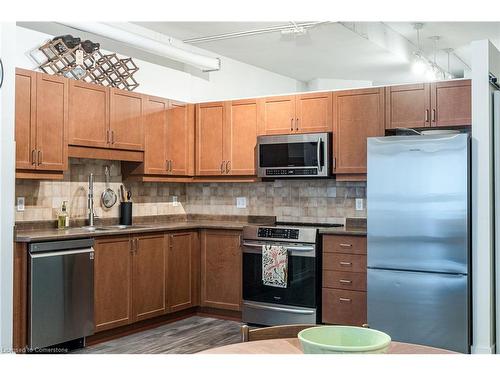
[{"x": 292, "y": 346}]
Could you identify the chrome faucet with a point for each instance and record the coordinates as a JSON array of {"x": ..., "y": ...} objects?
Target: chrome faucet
[{"x": 90, "y": 200}]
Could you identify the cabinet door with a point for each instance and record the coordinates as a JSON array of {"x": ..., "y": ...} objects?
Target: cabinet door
[
  {"x": 112, "y": 282},
  {"x": 346, "y": 307},
  {"x": 278, "y": 115},
  {"x": 88, "y": 114},
  {"x": 451, "y": 103},
  {"x": 51, "y": 122},
  {"x": 240, "y": 137},
  {"x": 149, "y": 276},
  {"x": 408, "y": 106},
  {"x": 209, "y": 129},
  {"x": 358, "y": 114},
  {"x": 221, "y": 269},
  {"x": 126, "y": 122},
  {"x": 183, "y": 271},
  {"x": 155, "y": 136},
  {"x": 313, "y": 113},
  {"x": 25, "y": 133},
  {"x": 180, "y": 138}
]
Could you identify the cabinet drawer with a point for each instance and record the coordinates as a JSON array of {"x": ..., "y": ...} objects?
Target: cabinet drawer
[
  {"x": 344, "y": 262},
  {"x": 344, "y": 307},
  {"x": 344, "y": 244},
  {"x": 345, "y": 280}
]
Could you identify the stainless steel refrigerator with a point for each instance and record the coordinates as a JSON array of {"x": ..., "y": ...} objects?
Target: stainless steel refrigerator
[{"x": 419, "y": 239}]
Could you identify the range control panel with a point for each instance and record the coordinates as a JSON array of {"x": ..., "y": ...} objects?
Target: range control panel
[
  {"x": 280, "y": 233},
  {"x": 292, "y": 172}
]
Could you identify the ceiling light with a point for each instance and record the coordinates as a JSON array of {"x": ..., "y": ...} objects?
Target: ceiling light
[{"x": 419, "y": 65}]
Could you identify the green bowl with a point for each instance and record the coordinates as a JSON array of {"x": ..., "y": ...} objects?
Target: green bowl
[{"x": 343, "y": 340}]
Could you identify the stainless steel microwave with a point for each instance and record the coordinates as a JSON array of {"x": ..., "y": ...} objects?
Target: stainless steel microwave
[{"x": 297, "y": 155}]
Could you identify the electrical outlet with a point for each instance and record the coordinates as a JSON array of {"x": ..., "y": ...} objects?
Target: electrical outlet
[
  {"x": 241, "y": 202},
  {"x": 20, "y": 203},
  {"x": 359, "y": 204},
  {"x": 175, "y": 202}
]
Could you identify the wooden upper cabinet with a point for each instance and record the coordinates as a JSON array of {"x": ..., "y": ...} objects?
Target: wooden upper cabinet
[
  {"x": 126, "y": 120},
  {"x": 278, "y": 115},
  {"x": 51, "y": 122},
  {"x": 408, "y": 106},
  {"x": 112, "y": 282},
  {"x": 313, "y": 112},
  {"x": 451, "y": 103},
  {"x": 183, "y": 271},
  {"x": 155, "y": 135},
  {"x": 358, "y": 114},
  {"x": 25, "y": 117},
  {"x": 209, "y": 138},
  {"x": 240, "y": 137},
  {"x": 180, "y": 139},
  {"x": 88, "y": 114},
  {"x": 149, "y": 276},
  {"x": 221, "y": 269}
]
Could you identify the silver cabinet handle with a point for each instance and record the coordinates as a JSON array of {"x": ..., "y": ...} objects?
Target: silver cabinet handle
[
  {"x": 345, "y": 244},
  {"x": 222, "y": 167},
  {"x": 426, "y": 115},
  {"x": 345, "y": 263},
  {"x": 166, "y": 165},
  {"x": 170, "y": 165},
  {"x": 228, "y": 166},
  {"x": 342, "y": 281},
  {"x": 434, "y": 115},
  {"x": 39, "y": 158},
  {"x": 112, "y": 137},
  {"x": 296, "y": 124},
  {"x": 291, "y": 124},
  {"x": 33, "y": 157},
  {"x": 341, "y": 299}
]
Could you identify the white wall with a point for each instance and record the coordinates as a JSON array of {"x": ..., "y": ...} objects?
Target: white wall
[
  {"x": 7, "y": 165},
  {"x": 485, "y": 59},
  {"x": 321, "y": 84},
  {"x": 234, "y": 80}
]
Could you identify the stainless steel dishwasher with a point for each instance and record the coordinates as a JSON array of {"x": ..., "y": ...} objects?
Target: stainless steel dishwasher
[{"x": 61, "y": 299}]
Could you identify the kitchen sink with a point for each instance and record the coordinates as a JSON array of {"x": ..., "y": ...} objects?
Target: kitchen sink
[{"x": 121, "y": 227}]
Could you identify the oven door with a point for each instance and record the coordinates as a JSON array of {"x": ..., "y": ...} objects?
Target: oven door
[
  {"x": 301, "y": 289},
  {"x": 293, "y": 155}
]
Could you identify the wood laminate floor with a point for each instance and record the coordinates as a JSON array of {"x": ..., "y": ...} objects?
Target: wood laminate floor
[{"x": 190, "y": 335}]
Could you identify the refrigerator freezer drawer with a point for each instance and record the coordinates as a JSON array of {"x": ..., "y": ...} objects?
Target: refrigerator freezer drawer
[{"x": 420, "y": 308}]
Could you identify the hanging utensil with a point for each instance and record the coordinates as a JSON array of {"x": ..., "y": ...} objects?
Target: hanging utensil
[
  {"x": 122, "y": 193},
  {"x": 108, "y": 196}
]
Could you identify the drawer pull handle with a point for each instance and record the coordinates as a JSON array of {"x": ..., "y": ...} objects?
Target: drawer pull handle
[
  {"x": 345, "y": 245},
  {"x": 342, "y": 281},
  {"x": 345, "y": 263},
  {"x": 341, "y": 299}
]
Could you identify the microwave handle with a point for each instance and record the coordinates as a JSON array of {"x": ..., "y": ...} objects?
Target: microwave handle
[{"x": 321, "y": 162}]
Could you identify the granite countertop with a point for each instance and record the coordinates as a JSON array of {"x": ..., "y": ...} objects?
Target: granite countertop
[
  {"x": 37, "y": 232},
  {"x": 36, "y": 235}
]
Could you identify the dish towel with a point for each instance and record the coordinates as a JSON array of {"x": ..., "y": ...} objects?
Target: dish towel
[{"x": 274, "y": 266}]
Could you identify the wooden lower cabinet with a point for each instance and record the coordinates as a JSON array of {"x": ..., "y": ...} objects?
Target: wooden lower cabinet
[
  {"x": 112, "y": 282},
  {"x": 149, "y": 276},
  {"x": 221, "y": 269},
  {"x": 183, "y": 271},
  {"x": 344, "y": 280},
  {"x": 344, "y": 307}
]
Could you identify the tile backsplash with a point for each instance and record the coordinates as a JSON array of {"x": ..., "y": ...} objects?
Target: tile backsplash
[{"x": 289, "y": 200}]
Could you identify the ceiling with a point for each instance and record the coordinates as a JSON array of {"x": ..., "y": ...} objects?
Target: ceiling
[{"x": 338, "y": 50}]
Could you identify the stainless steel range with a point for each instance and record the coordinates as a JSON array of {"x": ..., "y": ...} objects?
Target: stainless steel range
[{"x": 299, "y": 301}]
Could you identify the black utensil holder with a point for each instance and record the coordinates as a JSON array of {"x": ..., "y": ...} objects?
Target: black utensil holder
[{"x": 126, "y": 213}]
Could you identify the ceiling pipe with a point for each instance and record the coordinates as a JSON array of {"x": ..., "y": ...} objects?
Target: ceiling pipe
[
  {"x": 205, "y": 63},
  {"x": 292, "y": 26}
]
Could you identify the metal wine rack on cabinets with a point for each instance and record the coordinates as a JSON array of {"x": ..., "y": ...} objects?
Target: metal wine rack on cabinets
[{"x": 94, "y": 67}]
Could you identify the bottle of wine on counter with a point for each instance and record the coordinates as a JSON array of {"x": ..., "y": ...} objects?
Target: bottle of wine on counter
[{"x": 62, "y": 217}]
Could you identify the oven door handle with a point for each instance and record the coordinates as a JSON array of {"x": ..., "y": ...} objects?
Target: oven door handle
[
  {"x": 290, "y": 248},
  {"x": 282, "y": 309}
]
